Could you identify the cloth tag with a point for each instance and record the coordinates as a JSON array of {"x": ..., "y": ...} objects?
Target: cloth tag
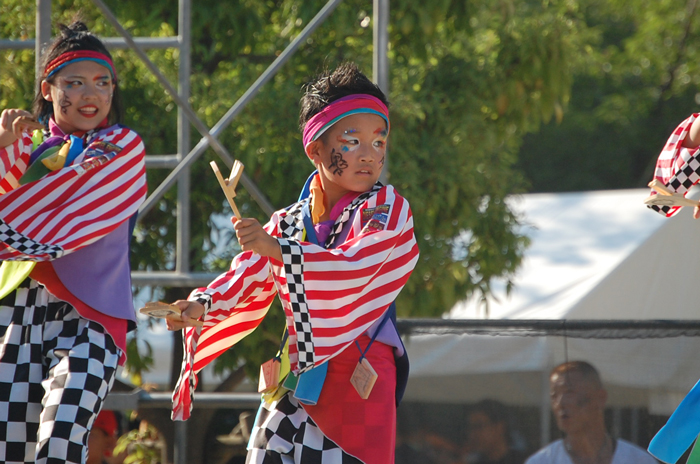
[
  {"x": 269, "y": 375},
  {"x": 363, "y": 378}
]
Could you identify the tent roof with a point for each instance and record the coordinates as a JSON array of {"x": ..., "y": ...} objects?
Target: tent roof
[{"x": 594, "y": 255}]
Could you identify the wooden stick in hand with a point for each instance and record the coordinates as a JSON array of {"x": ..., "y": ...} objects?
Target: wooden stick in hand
[
  {"x": 229, "y": 185},
  {"x": 30, "y": 123},
  {"x": 667, "y": 197}
]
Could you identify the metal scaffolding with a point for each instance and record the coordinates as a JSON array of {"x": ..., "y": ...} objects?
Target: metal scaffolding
[{"x": 179, "y": 163}]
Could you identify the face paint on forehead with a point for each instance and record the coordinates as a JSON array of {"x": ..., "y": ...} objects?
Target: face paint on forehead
[{"x": 381, "y": 131}]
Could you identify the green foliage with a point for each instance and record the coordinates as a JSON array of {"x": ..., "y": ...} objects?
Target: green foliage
[
  {"x": 468, "y": 81},
  {"x": 637, "y": 80},
  {"x": 141, "y": 446}
]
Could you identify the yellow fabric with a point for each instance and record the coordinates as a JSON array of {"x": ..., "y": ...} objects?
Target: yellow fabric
[
  {"x": 58, "y": 159},
  {"x": 12, "y": 273},
  {"x": 318, "y": 206},
  {"x": 285, "y": 369}
]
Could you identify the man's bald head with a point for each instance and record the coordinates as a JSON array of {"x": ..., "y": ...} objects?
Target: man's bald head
[
  {"x": 577, "y": 396},
  {"x": 586, "y": 371}
]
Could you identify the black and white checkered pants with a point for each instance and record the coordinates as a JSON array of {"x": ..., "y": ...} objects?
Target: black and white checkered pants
[
  {"x": 285, "y": 434},
  {"x": 56, "y": 369}
]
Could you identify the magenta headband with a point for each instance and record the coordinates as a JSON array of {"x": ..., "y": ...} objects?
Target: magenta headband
[{"x": 340, "y": 108}]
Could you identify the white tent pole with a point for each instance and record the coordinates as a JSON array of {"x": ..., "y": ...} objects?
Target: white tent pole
[{"x": 545, "y": 415}]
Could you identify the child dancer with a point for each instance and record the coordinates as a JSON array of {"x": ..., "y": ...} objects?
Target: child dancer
[
  {"x": 338, "y": 258},
  {"x": 68, "y": 195}
]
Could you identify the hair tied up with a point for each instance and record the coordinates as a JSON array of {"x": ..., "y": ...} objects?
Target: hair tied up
[{"x": 75, "y": 28}]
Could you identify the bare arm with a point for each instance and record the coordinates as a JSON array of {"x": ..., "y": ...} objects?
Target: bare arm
[{"x": 693, "y": 138}]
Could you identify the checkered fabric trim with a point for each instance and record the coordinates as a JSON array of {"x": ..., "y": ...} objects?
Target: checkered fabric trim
[
  {"x": 26, "y": 245},
  {"x": 50, "y": 356},
  {"x": 285, "y": 433},
  {"x": 682, "y": 179},
  {"x": 202, "y": 298},
  {"x": 292, "y": 223},
  {"x": 347, "y": 213},
  {"x": 293, "y": 259}
]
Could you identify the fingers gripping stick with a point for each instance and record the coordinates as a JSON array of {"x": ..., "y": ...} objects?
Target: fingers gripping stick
[
  {"x": 229, "y": 185},
  {"x": 30, "y": 123},
  {"x": 667, "y": 197},
  {"x": 164, "y": 310}
]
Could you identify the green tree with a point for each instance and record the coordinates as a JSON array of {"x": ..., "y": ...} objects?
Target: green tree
[{"x": 637, "y": 81}]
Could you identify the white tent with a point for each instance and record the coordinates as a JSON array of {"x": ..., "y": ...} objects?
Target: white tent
[{"x": 595, "y": 255}]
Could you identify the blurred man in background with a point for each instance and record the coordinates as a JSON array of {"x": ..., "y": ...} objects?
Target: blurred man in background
[{"x": 578, "y": 403}]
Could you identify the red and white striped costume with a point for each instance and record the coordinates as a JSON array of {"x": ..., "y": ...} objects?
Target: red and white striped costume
[
  {"x": 75, "y": 206},
  {"x": 84, "y": 207},
  {"x": 345, "y": 289},
  {"x": 677, "y": 167}
]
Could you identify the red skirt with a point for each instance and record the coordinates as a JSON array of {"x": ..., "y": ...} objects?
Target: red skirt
[{"x": 365, "y": 429}]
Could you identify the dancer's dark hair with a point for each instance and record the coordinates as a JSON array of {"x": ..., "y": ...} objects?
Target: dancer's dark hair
[{"x": 328, "y": 86}]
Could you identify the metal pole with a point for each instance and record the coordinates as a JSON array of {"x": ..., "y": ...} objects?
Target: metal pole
[
  {"x": 43, "y": 33},
  {"x": 199, "y": 125},
  {"x": 238, "y": 106},
  {"x": 380, "y": 59},
  {"x": 182, "y": 259},
  {"x": 545, "y": 414},
  {"x": 180, "y": 452}
]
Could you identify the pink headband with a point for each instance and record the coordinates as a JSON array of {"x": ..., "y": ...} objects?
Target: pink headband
[
  {"x": 340, "y": 108},
  {"x": 64, "y": 59}
]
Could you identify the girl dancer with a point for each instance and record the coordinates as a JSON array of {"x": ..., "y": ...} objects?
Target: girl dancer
[
  {"x": 337, "y": 259},
  {"x": 69, "y": 193}
]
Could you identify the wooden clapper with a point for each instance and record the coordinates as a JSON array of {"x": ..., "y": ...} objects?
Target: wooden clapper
[
  {"x": 666, "y": 197},
  {"x": 229, "y": 185}
]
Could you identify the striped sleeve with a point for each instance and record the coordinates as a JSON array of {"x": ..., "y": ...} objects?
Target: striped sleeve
[
  {"x": 678, "y": 168},
  {"x": 77, "y": 205},
  {"x": 13, "y": 162},
  {"x": 332, "y": 296},
  {"x": 236, "y": 303}
]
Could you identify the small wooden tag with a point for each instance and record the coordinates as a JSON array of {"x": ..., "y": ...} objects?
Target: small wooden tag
[
  {"x": 269, "y": 376},
  {"x": 363, "y": 378}
]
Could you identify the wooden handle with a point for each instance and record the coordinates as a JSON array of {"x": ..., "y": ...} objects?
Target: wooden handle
[
  {"x": 30, "y": 123},
  {"x": 660, "y": 187},
  {"x": 159, "y": 309},
  {"x": 670, "y": 200},
  {"x": 227, "y": 186}
]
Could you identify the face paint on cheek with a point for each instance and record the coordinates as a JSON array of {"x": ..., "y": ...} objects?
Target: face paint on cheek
[
  {"x": 381, "y": 161},
  {"x": 63, "y": 102},
  {"x": 338, "y": 164}
]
